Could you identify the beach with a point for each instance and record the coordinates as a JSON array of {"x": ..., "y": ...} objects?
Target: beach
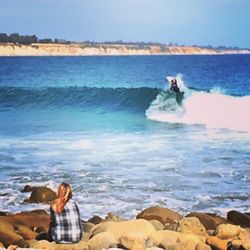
[{"x": 75, "y": 49}]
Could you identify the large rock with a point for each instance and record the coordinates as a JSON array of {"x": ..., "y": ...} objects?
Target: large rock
[
  {"x": 174, "y": 240},
  {"x": 192, "y": 225},
  {"x": 217, "y": 243},
  {"x": 32, "y": 219},
  {"x": 209, "y": 221},
  {"x": 8, "y": 236},
  {"x": 239, "y": 218},
  {"x": 5, "y": 225},
  {"x": 113, "y": 217},
  {"x": 244, "y": 235},
  {"x": 102, "y": 241},
  {"x": 119, "y": 229},
  {"x": 227, "y": 231},
  {"x": 95, "y": 219},
  {"x": 157, "y": 225},
  {"x": 43, "y": 244},
  {"x": 202, "y": 246},
  {"x": 246, "y": 245},
  {"x": 133, "y": 242},
  {"x": 40, "y": 194},
  {"x": 25, "y": 232},
  {"x": 164, "y": 215}
]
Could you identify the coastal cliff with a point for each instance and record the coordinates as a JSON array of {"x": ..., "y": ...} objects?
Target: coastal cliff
[{"x": 75, "y": 49}]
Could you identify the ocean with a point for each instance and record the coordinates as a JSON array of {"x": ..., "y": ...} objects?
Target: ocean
[{"x": 110, "y": 127}]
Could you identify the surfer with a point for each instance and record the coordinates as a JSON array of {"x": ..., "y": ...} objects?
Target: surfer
[{"x": 174, "y": 87}]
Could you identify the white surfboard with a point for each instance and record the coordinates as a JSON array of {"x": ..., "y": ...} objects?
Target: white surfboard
[{"x": 169, "y": 79}]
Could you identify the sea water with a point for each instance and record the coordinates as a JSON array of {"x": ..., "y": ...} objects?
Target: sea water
[{"x": 110, "y": 127}]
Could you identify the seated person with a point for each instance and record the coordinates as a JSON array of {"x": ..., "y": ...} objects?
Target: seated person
[
  {"x": 65, "y": 217},
  {"x": 65, "y": 224}
]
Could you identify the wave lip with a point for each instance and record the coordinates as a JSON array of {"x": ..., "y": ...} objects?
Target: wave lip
[{"x": 214, "y": 110}]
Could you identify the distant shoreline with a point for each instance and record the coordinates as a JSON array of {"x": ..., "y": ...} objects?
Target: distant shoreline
[{"x": 77, "y": 49}]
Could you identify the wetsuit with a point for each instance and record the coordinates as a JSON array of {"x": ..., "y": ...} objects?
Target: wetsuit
[
  {"x": 179, "y": 95},
  {"x": 174, "y": 87}
]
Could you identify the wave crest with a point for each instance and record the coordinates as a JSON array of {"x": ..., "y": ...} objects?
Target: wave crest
[{"x": 112, "y": 99}]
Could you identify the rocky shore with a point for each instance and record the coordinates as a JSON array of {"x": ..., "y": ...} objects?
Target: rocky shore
[
  {"x": 75, "y": 49},
  {"x": 154, "y": 228}
]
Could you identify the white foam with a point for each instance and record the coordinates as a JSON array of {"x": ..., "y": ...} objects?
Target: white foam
[{"x": 214, "y": 110}]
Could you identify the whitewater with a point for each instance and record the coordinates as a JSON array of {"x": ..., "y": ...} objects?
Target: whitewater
[{"x": 212, "y": 109}]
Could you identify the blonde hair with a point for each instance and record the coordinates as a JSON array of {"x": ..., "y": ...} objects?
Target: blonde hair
[{"x": 64, "y": 194}]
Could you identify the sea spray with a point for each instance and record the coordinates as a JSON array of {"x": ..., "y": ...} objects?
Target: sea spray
[{"x": 212, "y": 109}]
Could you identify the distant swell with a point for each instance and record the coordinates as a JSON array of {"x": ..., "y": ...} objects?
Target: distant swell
[{"x": 133, "y": 99}]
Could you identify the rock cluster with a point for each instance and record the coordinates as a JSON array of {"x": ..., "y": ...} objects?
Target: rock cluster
[{"x": 154, "y": 228}]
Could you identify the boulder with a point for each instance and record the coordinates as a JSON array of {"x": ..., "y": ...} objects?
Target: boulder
[
  {"x": 209, "y": 221},
  {"x": 29, "y": 219},
  {"x": 8, "y": 236},
  {"x": 41, "y": 195},
  {"x": 246, "y": 245},
  {"x": 164, "y": 215},
  {"x": 202, "y": 246},
  {"x": 244, "y": 235},
  {"x": 217, "y": 243},
  {"x": 25, "y": 232},
  {"x": 13, "y": 247},
  {"x": 227, "y": 231},
  {"x": 113, "y": 217},
  {"x": 5, "y": 225},
  {"x": 236, "y": 244},
  {"x": 157, "y": 225},
  {"x": 26, "y": 189},
  {"x": 133, "y": 241},
  {"x": 82, "y": 245},
  {"x": 11, "y": 238},
  {"x": 119, "y": 229},
  {"x": 95, "y": 220},
  {"x": 192, "y": 225},
  {"x": 44, "y": 244},
  {"x": 239, "y": 218},
  {"x": 174, "y": 240},
  {"x": 87, "y": 226},
  {"x": 41, "y": 244},
  {"x": 103, "y": 240}
]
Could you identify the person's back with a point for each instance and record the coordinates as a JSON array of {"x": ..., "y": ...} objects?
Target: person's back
[{"x": 66, "y": 226}]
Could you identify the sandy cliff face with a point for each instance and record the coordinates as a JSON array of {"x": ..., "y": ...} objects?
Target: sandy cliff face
[{"x": 37, "y": 49}]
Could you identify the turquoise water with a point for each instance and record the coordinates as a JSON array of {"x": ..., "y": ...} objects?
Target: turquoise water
[{"x": 110, "y": 127}]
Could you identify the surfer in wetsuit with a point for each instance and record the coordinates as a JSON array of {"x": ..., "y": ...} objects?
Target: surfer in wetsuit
[{"x": 174, "y": 87}]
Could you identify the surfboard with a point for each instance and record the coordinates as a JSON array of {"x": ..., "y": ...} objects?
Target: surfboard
[{"x": 169, "y": 78}]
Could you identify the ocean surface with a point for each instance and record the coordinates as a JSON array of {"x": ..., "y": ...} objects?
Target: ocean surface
[{"x": 110, "y": 127}]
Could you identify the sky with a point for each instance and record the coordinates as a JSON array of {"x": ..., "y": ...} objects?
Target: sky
[{"x": 185, "y": 22}]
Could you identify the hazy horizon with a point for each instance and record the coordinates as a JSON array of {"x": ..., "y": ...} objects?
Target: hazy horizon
[{"x": 217, "y": 23}]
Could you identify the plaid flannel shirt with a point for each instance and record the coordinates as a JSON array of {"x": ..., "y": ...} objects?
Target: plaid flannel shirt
[{"x": 66, "y": 226}]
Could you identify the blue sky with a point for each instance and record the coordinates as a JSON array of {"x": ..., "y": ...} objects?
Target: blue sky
[{"x": 200, "y": 22}]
